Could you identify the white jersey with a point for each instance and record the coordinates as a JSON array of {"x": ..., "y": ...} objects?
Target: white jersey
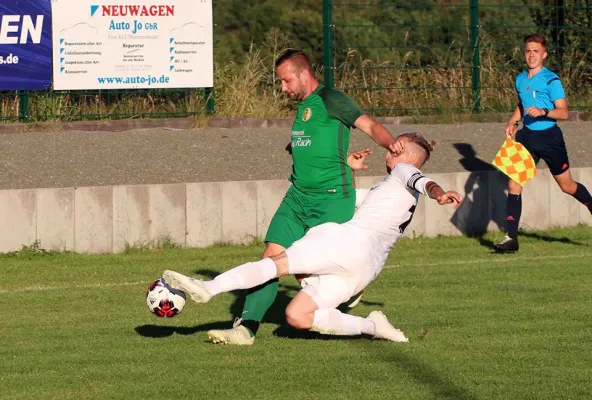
[
  {"x": 385, "y": 210},
  {"x": 354, "y": 252}
]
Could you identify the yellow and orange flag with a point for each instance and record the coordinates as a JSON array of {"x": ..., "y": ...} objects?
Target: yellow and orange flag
[{"x": 515, "y": 161}]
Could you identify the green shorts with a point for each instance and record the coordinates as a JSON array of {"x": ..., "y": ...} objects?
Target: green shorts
[{"x": 298, "y": 213}]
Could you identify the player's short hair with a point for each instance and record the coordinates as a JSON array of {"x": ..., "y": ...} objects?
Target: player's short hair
[
  {"x": 419, "y": 140},
  {"x": 300, "y": 61},
  {"x": 536, "y": 38}
]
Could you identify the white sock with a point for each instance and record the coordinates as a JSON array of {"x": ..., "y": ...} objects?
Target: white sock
[
  {"x": 244, "y": 276},
  {"x": 368, "y": 327},
  {"x": 334, "y": 322}
]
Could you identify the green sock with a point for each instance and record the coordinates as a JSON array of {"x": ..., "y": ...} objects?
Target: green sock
[{"x": 258, "y": 301}]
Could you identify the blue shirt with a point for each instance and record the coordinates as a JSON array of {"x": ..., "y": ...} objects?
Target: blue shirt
[{"x": 541, "y": 91}]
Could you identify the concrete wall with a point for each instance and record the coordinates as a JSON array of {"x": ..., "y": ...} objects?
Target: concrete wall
[{"x": 105, "y": 219}]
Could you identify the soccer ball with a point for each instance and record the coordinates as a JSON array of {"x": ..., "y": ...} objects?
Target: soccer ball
[{"x": 164, "y": 301}]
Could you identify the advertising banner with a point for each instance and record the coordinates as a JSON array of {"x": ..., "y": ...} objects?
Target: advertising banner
[
  {"x": 132, "y": 44},
  {"x": 25, "y": 44}
]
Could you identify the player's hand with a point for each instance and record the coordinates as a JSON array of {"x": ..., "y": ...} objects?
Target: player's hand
[
  {"x": 449, "y": 197},
  {"x": 511, "y": 129},
  {"x": 535, "y": 112},
  {"x": 356, "y": 159},
  {"x": 289, "y": 148},
  {"x": 397, "y": 148}
]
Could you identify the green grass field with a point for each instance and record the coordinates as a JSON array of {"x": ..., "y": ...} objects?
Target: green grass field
[{"x": 481, "y": 326}]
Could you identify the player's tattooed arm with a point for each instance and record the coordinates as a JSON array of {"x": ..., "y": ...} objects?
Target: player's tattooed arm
[
  {"x": 434, "y": 190},
  {"x": 437, "y": 193}
]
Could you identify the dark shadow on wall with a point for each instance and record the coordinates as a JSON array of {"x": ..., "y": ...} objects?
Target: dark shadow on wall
[
  {"x": 484, "y": 196},
  {"x": 485, "y": 200}
]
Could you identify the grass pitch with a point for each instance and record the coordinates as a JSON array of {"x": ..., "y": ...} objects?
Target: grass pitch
[{"x": 481, "y": 326}]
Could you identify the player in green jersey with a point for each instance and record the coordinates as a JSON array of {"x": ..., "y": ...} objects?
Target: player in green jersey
[{"x": 322, "y": 183}]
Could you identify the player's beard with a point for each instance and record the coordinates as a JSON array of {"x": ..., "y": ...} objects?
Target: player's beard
[{"x": 300, "y": 93}]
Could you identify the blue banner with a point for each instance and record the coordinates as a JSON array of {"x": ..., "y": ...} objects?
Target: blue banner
[{"x": 25, "y": 44}]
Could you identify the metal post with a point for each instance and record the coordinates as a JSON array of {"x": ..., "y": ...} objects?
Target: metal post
[
  {"x": 328, "y": 42},
  {"x": 210, "y": 103},
  {"x": 558, "y": 34},
  {"x": 23, "y": 106},
  {"x": 476, "y": 64}
]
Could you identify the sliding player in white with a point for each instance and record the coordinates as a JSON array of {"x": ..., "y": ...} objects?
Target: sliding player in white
[{"x": 342, "y": 259}]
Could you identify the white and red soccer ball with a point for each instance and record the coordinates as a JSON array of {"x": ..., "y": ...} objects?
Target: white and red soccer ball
[{"x": 164, "y": 301}]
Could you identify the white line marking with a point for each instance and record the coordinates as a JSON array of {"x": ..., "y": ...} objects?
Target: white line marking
[
  {"x": 496, "y": 260},
  {"x": 84, "y": 286}
]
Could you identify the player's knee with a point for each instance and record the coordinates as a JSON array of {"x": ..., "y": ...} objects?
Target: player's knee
[
  {"x": 297, "y": 319},
  {"x": 272, "y": 249},
  {"x": 267, "y": 254},
  {"x": 568, "y": 187}
]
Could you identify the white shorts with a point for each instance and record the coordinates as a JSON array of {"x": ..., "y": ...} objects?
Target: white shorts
[
  {"x": 340, "y": 263},
  {"x": 328, "y": 291}
]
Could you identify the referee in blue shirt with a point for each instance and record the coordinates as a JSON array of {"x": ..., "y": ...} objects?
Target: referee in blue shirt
[{"x": 541, "y": 102}]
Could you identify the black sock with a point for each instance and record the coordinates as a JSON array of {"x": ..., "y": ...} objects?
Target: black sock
[
  {"x": 514, "y": 210},
  {"x": 583, "y": 196}
]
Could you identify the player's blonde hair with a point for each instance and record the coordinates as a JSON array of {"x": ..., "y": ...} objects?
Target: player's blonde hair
[{"x": 419, "y": 140}]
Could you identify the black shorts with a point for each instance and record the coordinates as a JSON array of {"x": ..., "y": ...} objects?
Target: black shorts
[{"x": 548, "y": 145}]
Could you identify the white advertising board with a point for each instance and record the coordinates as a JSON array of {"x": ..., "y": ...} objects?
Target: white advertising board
[{"x": 132, "y": 44}]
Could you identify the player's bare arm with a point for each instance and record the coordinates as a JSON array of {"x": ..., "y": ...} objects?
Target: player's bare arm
[
  {"x": 437, "y": 193},
  {"x": 512, "y": 126},
  {"x": 375, "y": 130},
  {"x": 560, "y": 112}
]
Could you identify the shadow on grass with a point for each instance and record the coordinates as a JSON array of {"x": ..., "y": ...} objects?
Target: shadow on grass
[
  {"x": 287, "y": 332},
  {"x": 488, "y": 243},
  {"x": 275, "y": 315},
  {"x": 423, "y": 374},
  {"x": 550, "y": 239},
  {"x": 158, "y": 331}
]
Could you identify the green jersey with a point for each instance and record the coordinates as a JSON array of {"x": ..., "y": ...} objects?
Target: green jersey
[{"x": 320, "y": 142}]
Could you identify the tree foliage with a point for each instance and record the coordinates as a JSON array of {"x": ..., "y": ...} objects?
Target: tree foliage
[
  {"x": 422, "y": 45},
  {"x": 378, "y": 28}
]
